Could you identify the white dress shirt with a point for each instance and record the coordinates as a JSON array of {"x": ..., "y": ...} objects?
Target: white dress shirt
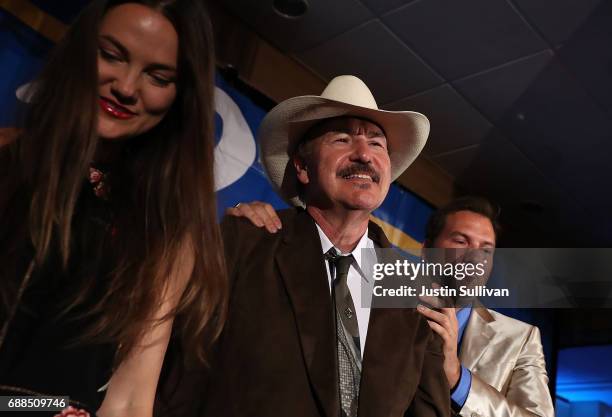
[{"x": 356, "y": 279}]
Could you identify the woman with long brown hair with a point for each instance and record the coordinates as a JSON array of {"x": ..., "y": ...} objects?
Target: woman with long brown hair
[{"x": 109, "y": 234}]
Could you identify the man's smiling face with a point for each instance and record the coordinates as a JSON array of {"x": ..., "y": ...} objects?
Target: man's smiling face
[{"x": 345, "y": 164}]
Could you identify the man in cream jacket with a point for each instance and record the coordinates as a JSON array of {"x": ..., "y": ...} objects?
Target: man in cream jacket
[{"x": 494, "y": 364}]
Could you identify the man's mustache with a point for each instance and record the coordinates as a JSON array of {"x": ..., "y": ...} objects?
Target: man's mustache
[{"x": 357, "y": 168}]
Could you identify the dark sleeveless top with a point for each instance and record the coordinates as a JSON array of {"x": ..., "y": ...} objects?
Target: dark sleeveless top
[{"x": 40, "y": 353}]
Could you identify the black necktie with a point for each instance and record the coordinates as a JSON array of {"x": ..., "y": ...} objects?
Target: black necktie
[
  {"x": 342, "y": 294},
  {"x": 349, "y": 357}
]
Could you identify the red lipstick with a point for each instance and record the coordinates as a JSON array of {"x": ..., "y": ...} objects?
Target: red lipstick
[{"x": 114, "y": 109}]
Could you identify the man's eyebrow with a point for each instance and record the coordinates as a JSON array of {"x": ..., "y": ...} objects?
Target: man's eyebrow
[
  {"x": 117, "y": 45},
  {"x": 376, "y": 134},
  {"x": 351, "y": 131},
  {"x": 466, "y": 237}
]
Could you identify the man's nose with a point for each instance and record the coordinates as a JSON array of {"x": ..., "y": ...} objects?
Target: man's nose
[{"x": 361, "y": 151}]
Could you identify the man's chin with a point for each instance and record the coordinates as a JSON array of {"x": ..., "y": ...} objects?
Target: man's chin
[{"x": 363, "y": 204}]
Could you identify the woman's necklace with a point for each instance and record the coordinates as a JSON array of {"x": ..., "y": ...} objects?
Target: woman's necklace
[{"x": 99, "y": 181}]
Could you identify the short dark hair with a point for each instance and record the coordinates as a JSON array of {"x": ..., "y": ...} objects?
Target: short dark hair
[{"x": 475, "y": 204}]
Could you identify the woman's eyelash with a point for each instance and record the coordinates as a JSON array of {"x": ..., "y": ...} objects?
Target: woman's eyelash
[
  {"x": 161, "y": 81},
  {"x": 108, "y": 55}
]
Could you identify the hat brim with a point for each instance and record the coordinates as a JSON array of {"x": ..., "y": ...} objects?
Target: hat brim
[{"x": 284, "y": 126}]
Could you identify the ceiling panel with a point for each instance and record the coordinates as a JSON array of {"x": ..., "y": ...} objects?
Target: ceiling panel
[
  {"x": 382, "y": 6},
  {"x": 589, "y": 178},
  {"x": 389, "y": 80},
  {"x": 559, "y": 127},
  {"x": 324, "y": 20},
  {"x": 454, "y": 122},
  {"x": 588, "y": 54},
  {"x": 463, "y": 37},
  {"x": 558, "y": 20},
  {"x": 497, "y": 156},
  {"x": 538, "y": 211},
  {"x": 494, "y": 92},
  {"x": 457, "y": 162}
]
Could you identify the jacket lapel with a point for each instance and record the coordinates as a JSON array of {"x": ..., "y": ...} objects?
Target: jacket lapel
[
  {"x": 477, "y": 337},
  {"x": 384, "y": 370},
  {"x": 378, "y": 236},
  {"x": 301, "y": 265}
]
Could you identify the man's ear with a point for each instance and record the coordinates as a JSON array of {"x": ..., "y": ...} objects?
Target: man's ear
[{"x": 301, "y": 169}]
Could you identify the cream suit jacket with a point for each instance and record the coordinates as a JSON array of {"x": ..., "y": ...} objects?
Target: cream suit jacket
[{"x": 508, "y": 370}]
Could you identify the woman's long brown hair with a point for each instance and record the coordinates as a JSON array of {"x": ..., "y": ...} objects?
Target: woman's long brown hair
[{"x": 163, "y": 199}]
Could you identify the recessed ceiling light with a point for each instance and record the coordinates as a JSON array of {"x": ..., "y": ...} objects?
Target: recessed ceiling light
[{"x": 290, "y": 9}]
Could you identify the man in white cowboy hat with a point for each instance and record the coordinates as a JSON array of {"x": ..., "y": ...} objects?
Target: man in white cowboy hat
[
  {"x": 298, "y": 341},
  {"x": 474, "y": 336}
]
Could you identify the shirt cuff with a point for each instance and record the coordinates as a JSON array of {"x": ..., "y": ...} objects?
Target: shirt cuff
[{"x": 460, "y": 393}]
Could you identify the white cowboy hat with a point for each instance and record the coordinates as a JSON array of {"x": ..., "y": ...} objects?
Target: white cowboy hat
[{"x": 284, "y": 126}]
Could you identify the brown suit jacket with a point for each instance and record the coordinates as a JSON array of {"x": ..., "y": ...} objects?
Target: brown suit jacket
[{"x": 277, "y": 355}]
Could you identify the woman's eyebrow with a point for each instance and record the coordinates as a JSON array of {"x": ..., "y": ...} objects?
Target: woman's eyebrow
[
  {"x": 163, "y": 67},
  {"x": 124, "y": 51},
  {"x": 117, "y": 44}
]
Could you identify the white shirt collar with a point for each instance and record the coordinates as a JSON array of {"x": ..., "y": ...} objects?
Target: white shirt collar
[
  {"x": 356, "y": 279},
  {"x": 364, "y": 243}
]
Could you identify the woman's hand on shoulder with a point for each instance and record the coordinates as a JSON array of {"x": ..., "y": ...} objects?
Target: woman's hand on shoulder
[{"x": 259, "y": 213}]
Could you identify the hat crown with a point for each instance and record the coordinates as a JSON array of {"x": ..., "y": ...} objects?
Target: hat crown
[{"x": 350, "y": 90}]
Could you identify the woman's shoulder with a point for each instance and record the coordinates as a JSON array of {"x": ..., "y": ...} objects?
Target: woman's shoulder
[{"x": 8, "y": 135}]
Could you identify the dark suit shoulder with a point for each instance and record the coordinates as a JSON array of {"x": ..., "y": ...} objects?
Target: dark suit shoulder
[
  {"x": 240, "y": 235},
  {"x": 242, "y": 229},
  {"x": 242, "y": 238},
  {"x": 289, "y": 214}
]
